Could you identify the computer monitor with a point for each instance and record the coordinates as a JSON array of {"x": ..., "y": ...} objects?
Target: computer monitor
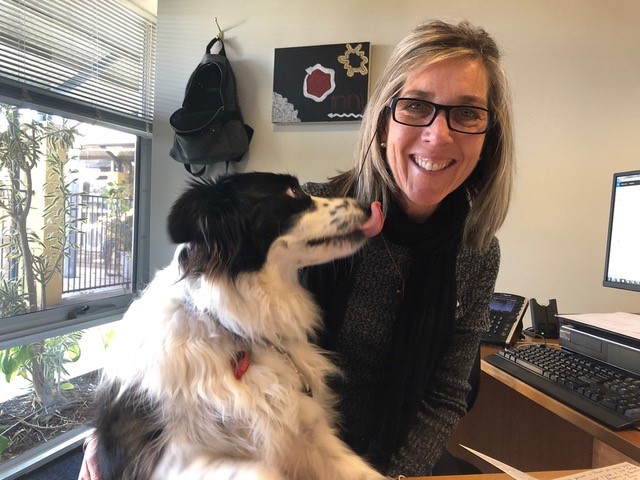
[{"x": 622, "y": 264}]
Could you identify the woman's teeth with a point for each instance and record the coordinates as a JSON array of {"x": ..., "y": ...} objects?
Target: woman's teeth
[{"x": 431, "y": 165}]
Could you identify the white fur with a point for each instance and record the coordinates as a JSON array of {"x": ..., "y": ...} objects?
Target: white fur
[{"x": 177, "y": 341}]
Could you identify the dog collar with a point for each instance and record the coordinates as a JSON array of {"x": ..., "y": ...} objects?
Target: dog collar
[
  {"x": 306, "y": 388},
  {"x": 242, "y": 361}
]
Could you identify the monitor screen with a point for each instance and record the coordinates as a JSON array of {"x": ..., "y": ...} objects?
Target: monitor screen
[{"x": 622, "y": 264}]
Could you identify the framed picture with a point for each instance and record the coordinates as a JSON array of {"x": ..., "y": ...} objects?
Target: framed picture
[{"x": 323, "y": 83}]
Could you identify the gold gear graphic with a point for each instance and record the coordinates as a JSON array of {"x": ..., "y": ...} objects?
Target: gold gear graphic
[{"x": 344, "y": 60}]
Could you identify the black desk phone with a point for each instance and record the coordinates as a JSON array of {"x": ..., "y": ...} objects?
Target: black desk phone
[{"x": 506, "y": 312}]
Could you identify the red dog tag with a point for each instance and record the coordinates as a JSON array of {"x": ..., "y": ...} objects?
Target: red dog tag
[{"x": 240, "y": 364}]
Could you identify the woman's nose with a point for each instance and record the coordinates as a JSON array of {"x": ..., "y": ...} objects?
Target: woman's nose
[{"x": 439, "y": 130}]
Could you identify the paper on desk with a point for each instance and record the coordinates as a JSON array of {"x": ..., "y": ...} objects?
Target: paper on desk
[
  {"x": 508, "y": 469},
  {"x": 621, "y": 471},
  {"x": 626, "y": 324}
]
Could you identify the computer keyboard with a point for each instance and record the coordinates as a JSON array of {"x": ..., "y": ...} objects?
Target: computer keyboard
[{"x": 606, "y": 393}]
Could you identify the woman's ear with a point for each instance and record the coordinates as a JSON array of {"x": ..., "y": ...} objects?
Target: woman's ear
[{"x": 383, "y": 121}]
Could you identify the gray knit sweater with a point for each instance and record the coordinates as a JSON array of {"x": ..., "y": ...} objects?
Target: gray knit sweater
[{"x": 366, "y": 335}]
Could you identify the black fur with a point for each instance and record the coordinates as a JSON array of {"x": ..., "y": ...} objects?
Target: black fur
[
  {"x": 127, "y": 423},
  {"x": 213, "y": 217}
]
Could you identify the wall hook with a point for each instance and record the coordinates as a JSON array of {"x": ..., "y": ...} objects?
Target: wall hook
[{"x": 220, "y": 33}]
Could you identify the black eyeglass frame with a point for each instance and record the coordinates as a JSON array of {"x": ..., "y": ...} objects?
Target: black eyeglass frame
[{"x": 445, "y": 108}]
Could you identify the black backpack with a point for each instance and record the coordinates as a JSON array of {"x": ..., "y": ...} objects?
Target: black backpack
[{"x": 209, "y": 127}]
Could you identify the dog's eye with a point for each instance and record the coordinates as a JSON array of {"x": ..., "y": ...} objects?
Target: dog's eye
[{"x": 294, "y": 192}]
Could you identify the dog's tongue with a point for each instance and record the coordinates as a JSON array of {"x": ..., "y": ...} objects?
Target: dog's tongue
[{"x": 373, "y": 226}]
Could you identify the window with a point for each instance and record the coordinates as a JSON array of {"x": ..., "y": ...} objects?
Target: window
[{"x": 76, "y": 107}]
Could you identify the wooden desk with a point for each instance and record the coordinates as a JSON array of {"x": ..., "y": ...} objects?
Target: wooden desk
[
  {"x": 523, "y": 427},
  {"x": 501, "y": 476}
]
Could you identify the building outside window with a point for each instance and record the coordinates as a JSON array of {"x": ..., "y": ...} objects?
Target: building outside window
[{"x": 76, "y": 106}]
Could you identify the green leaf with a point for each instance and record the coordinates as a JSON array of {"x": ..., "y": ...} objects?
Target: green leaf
[
  {"x": 23, "y": 354},
  {"x": 9, "y": 367},
  {"x": 73, "y": 352},
  {"x": 4, "y": 443},
  {"x": 66, "y": 386}
]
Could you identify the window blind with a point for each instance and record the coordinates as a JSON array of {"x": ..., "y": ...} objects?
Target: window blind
[{"x": 91, "y": 58}]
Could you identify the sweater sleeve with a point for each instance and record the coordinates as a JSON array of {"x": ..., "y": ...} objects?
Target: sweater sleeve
[{"x": 444, "y": 402}]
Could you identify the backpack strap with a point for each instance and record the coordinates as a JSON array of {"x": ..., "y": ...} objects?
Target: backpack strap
[
  {"x": 212, "y": 43},
  {"x": 199, "y": 173}
]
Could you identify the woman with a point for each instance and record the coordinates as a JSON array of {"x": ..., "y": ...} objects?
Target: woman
[{"x": 406, "y": 315}]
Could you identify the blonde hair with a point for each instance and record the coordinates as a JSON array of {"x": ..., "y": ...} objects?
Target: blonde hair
[{"x": 490, "y": 184}]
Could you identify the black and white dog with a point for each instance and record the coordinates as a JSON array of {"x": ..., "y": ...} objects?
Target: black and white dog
[{"x": 212, "y": 376}]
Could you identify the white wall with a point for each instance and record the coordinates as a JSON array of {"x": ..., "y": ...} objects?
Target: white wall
[{"x": 575, "y": 72}]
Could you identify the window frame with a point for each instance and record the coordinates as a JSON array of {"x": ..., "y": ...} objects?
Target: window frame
[
  {"x": 24, "y": 93},
  {"x": 34, "y": 326},
  {"x": 60, "y": 320}
]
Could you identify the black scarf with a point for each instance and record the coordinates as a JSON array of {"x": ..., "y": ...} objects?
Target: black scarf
[{"x": 425, "y": 317}]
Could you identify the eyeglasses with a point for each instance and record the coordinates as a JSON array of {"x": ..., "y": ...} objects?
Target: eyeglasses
[{"x": 421, "y": 113}]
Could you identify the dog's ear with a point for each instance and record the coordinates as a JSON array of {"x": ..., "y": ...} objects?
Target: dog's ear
[
  {"x": 207, "y": 216},
  {"x": 196, "y": 215},
  {"x": 182, "y": 220}
]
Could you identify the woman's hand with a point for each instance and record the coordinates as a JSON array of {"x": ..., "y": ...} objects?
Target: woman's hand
[{"x": 89, "y": 467}]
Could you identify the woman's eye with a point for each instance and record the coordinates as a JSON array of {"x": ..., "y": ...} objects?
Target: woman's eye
[
  {"x": 468, "y": 113},
  {"x": 417, "y": 106}
]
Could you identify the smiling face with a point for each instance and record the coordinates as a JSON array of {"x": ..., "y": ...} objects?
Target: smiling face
[{"x": 428, "y": 163}]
